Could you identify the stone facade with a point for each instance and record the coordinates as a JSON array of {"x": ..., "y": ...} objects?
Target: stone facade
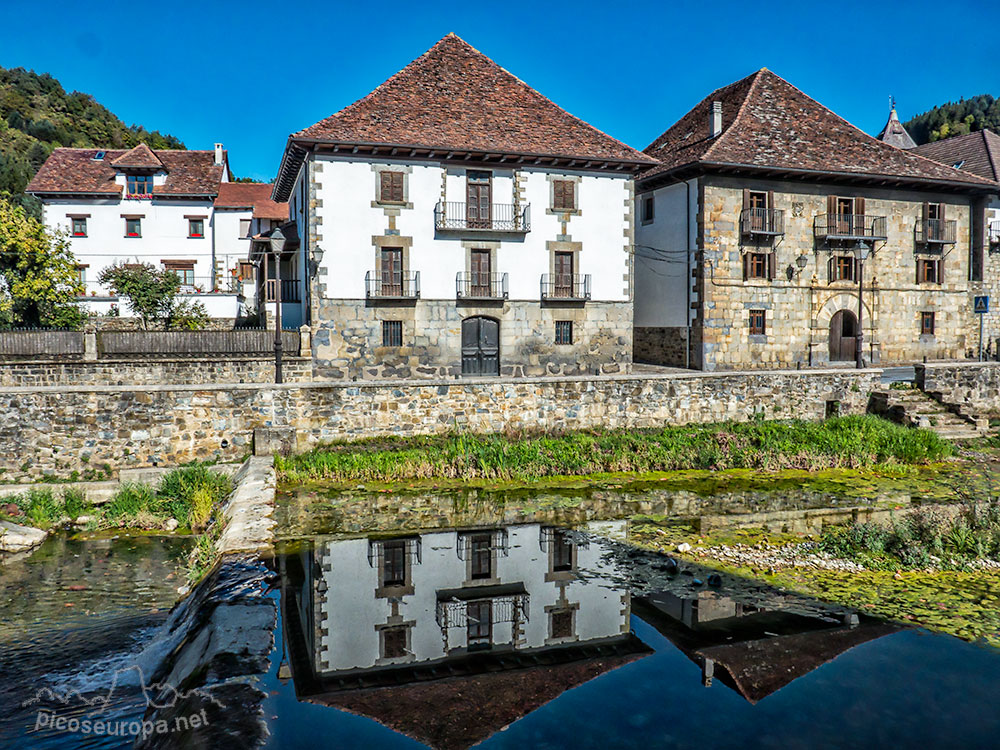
[
  {"x": 54, "y": 431},
  {"x": 799, "y": 304},
  {"x": 152, "y": 372},
  {"x": 970, "y": 386},
  {"x": 664, "y": 345},
  {"x": 347, "y": 342}
]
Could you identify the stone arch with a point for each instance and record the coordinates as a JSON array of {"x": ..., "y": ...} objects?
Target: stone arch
[{"x": 843, "y": 301}]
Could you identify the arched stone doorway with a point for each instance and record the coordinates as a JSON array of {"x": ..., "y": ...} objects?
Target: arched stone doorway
[
  {"x": 480, "y": 346},
  {"x": 843, "y": 336}
]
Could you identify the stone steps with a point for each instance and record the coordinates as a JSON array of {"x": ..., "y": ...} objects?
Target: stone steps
[{"x": 917, "y": 409}]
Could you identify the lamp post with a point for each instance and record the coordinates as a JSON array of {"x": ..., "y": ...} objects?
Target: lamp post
[
  {"x": 861, "y": 253},
  {"x": 277, "y": 240}
]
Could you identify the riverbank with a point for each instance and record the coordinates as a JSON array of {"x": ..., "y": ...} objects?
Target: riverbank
[{"x": 848, "y": 442}]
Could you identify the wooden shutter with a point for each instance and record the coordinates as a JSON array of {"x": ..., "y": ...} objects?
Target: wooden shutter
[
  {"x": 831, "y": 206},
  {"x": 859, "y": 206},
  {"x": 770, "y": 199},
  {"x": 746, "y": 266},
  {"x": 569, "y": 189},
  {"x": 831, "y": 268},
  {"x": 941, "y": 217},
  {"x": 927, "y": 210},
  {"x": 746, "y": 198},
  {"x": 940, "y": 271},
  {"x": 770, "y": 266},
  {"x": 386, "y": 187},
  {"x": 920, "y": 268},
  {"x": 558, "y": 193}
]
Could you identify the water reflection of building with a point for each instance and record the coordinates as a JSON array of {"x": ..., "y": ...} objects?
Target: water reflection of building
[
  {"x": 385, "y": 627},
  {"x": 755, "y": 650}
]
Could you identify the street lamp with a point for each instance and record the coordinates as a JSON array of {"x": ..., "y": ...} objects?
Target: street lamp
[
  {"x": 861, "y": 251},
  {"x": 277, "y": 239}
]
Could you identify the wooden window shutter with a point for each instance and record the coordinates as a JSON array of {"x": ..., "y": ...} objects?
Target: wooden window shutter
[
  {"x": 831, "y": 268},
  {"x": 770, "y": 199},
  {"x": 940, "y": 271},
  {"x": 927, "y": 210},
  {"x": 746, "y": 198},
  {"x": 770, "y": 266},
  {"x": 859, "y": 206},
  {"x": 558, "y": 193},
  {"x": 831, "y": 205},
  {"x": 568, "y": 196},
  {"x": 920, "y": 268},
  {"x": 941, "y": 217},
  {"x": 746, "y": 266},
  {"x": 386, "y": 187}
]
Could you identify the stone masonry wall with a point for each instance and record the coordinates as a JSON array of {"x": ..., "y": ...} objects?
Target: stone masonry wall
[
  {"x": 54, "y": 431},
  {"x": 347, "y": 344},
  {"x": 975, "y": 385},
  {"x": 661, "y": 346},
  {"x": 155, "y": 372},
  {"x": 799, "y": 304}
]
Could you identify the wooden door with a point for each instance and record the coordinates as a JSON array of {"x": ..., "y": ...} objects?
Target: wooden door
[
  {"x": 843, "y": 336},
  {"x": 480, "y": 346},
  {"x": 563, "y": 281},
  {"x": 479, "y": 281},
  {"x": 479, "y": 200},
  {"x": 391, "y": 272}
]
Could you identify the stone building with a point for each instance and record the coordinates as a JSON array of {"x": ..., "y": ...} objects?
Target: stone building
[
  {"x": 979, "y": 154},
  {"x": 764, "y": 211},
  {"x": 455, "y": 221}
]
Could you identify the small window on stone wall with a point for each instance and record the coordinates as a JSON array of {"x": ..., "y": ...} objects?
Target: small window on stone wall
[
  {"x": 758, "y": 322},
  {"x": 564, "y": 331},
  {"x": 927, "y": 323},
  {"x": 392, "y": 333}
]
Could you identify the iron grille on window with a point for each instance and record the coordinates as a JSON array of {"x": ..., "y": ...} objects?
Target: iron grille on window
[
  {"x": 454, "y": 613},
  {"x": 376, "y": 549},
  {"x": 392, "y": 333},
  {"x": 548, "y": 534},
  {"x": 497, "y": 542},
  {"x": 564, "y": 331}
]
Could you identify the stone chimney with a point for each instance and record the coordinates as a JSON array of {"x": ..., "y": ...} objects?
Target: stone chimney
[
  {"x": 715, "y": 123},
  {"x": 218, "y": 154}
]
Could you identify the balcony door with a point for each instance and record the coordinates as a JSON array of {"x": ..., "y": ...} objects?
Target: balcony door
[
  {"x": 480, "y": 346},
  {"x": 478, "y": 200},
  {"x": 480, "y": 273},
  {"x": 563, "y": 282},
  {"x": 391, "y": 272}
]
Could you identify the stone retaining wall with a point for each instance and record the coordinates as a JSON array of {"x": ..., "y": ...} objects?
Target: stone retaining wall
[
  {"x": 188, "y": 371},
  {"x": 53, "y": 431},
  {"x": 661, "y": 346},
  {"x": 974, "y": 386}
]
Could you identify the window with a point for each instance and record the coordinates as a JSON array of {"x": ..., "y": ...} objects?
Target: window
[
  {"x": 391, "y": 272},
  {"x": 139, "y": 184},
  {"x": 133, "y": 227},
  {"x": 481, "y": 556},
  {"x": 479, "y": 619},
  {"x": 245, "y": 270},
  {"x": 564, "y": 331},
  {"x": 392, "y": 333},
  {"x": 244, "y": 228},
  {"x": 391, "y": 187},
  {"x": 756, "y": 200},
  {"x": 479, "y": 199},
  {"x": 394, "y": 562},
  {"x": 563, "y": 264},
  {"x": 562, "y": 551},
  {"x": 394, "y": 642},
  {"x": 480, "y": 276},
  {"x": 927, "y": 323},
  {"x": 758, "y": 322},
  {"x": 935, "y": 211},
  {"x": 930, "y": 271},
  {"x": 561, "y": 623},
  {"x": 196, "y": 227},
  {"x": 79, "y": 227},
  {"x": 184, "y": 270},
  {"x": 647, "y": 209},
  {"x": 81, "y": 273},
  {"x": 564, "y": 195},
  {"x": 844, "y": 268},
  {"x": 756, "y": 265}
]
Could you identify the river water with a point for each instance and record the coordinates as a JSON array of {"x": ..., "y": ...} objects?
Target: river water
[{"x": 460, "y": 621}]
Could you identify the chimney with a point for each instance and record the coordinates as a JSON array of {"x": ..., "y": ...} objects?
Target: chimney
[
  {"x": 715, "y": 123},
  {"x": 218, "y": 154}
]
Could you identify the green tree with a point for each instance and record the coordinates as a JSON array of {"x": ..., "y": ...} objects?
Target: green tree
[
  {"x": 39, "y": 286},
  {"x": 151, "y": 293}
]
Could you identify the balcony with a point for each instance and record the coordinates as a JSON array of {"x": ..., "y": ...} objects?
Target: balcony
[
  {"x": 480, "y": 286},
  {"x": 850, "y": 227},
  {"x": 994, "y": 232},
  {"x": 503, "y": 217},
  {"x": 399, "y": 285},
  {"x": 762, "y": 222},
  {"x": 565, "y": 287},
  {"x": 935, "y": 232},
  {"x": 290, "y": 290}
]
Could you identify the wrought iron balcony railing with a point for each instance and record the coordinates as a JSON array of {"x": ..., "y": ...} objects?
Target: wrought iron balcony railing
[
  {"x": 566, "y": 286},
  {"x": 935, "y": 232},
  {"x": 394, "y": 285},
  {"x": 994, "y": 232},
  {"x": 509, "y": 608},
  {"x": 478, "y": 285},
  {"x": 768, "y": 222},
  {"x": 502, "y": 217},
  {"x": 290, "y": 290},
  {"x": 850, "y": 227}
]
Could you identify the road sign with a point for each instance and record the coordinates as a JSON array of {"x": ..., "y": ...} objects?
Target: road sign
[{"x": 981, "y": 305}]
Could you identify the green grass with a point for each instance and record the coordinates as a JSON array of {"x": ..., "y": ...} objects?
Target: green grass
[
  {"x": 43, "y": 507},
  {"x": 848, "y": 442}
]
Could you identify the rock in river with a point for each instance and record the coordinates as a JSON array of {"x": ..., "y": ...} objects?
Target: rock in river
[{"x": 16, "y": 538}]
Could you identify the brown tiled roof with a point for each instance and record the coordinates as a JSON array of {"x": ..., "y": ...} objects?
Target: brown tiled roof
[
  {"x": 979, "y": 153},
  {"x": 75, "y": 171},
  {"x": 140, "y": 156},
  {"x": 768, "y": 124},
  {"x": 251, "y": 195}
]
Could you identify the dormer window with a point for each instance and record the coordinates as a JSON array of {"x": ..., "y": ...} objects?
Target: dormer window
[
  {"x": 139, "y": 184},
  {"x": 99, "y": 156}
]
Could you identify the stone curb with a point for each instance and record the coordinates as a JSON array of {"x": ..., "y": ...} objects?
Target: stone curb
[{"x": 247, "y": 511}]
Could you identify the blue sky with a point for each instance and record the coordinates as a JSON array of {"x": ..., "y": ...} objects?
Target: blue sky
[{"x": 249, "y": 73}]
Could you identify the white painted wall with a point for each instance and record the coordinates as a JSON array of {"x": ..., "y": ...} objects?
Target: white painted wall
[
  {"x": 664, "y": 251},
  {"x": 352, "y": 610},
  {"x": 349, "y": 221}
]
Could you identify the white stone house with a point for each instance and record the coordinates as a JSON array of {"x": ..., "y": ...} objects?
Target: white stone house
[
  {"x": 476, "y": 230},
  {"x": 160, "y": 207}
]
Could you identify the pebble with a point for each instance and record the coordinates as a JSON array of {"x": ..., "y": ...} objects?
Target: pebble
[{"x": 683, "y": 547}]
